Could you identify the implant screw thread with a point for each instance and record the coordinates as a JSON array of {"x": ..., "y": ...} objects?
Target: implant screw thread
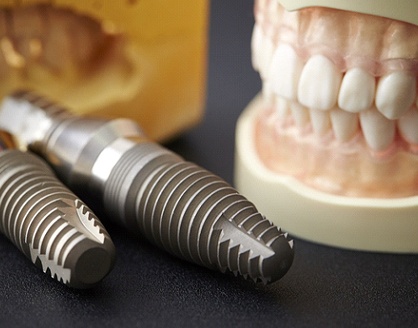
[
  {"x": 177, "y": 205},
  {"x": 47, "y": 222},
  {"x": 195, "y": 215}
]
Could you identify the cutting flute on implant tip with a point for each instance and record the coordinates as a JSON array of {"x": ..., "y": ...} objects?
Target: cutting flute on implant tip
[
  {"x": 175, "y": 204},
  {"x": 48, "y": 223}
]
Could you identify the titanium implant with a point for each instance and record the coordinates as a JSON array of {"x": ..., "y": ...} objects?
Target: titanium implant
[
  {"x": 48, "y": 223},
  {"x": 175, "y": 204}
]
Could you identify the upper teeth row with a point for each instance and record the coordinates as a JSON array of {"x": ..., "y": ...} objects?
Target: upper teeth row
[
  {"x": 316, "y": 91},
  {"x": 317, "y": 82}
]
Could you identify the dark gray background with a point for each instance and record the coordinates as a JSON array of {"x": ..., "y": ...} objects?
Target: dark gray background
[{"x": 148, "y": 288}]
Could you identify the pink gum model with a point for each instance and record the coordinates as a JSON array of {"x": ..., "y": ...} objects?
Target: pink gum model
[{"x": 342, "y": 87}]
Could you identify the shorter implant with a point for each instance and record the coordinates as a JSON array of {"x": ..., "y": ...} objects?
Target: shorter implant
[
  {"x": 48, "y": 223},
  {"x": 148, "y": 189}
]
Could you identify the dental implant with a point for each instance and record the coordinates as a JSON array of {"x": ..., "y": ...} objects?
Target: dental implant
[
  {"x": 148, "y": 189},
  {"x": 48, "y": 223}
]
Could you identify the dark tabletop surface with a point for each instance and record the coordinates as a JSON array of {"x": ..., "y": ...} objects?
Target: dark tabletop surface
[{"x": 325, "y": 286}]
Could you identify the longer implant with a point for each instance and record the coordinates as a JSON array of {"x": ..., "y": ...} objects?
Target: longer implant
[
  {"x": 48, "y": 223},
  {"x": 177, "y": 205}
]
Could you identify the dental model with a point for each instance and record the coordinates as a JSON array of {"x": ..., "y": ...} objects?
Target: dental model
[{"x": 332, "y": 141}]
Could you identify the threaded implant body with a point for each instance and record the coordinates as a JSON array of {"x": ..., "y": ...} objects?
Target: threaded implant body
[
  {"x": 49, "y": 224},
  {"x": 194, "y": 214},
  {"x": 177, "y": 205}
]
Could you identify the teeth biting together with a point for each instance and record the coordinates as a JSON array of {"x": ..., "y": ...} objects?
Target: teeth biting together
[{"x": 346, "y": 80}]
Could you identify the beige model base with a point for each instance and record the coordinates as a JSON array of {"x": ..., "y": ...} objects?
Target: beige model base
[
  {"x": 385, "y": 8},
  {"x": 384, "y": 225}
]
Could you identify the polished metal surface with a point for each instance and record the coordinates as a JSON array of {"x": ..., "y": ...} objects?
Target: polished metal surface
[
  {"x": 48, "y": 223},
  {"x": 177, "y": 205}
]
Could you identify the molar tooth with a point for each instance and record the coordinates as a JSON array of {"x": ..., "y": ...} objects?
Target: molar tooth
[
  {"x": 395, "y": 94},
  {"x": 284, "y": 72},
  {"x": 378, "y": 131},
  {"x": 320, "y": 121},
  {"x": 357, "y": 90},
  {"x": 408, "y": 126},
  {"x": 344, "y": 124},
  {"x": 300, "y": 114},
  {"x": 319, "y": 83}
]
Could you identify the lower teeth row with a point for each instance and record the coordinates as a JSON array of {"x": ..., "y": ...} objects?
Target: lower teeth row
[
  {"x": 323, "y": 162},
  {"x": 379, "y": 133}
]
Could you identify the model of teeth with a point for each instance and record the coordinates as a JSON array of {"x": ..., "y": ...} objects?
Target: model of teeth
[{"x": 330, "y": 147}]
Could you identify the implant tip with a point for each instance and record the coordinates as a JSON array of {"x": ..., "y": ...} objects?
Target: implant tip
[
  {"x": 260, "y": 253},
  {"x": 89, "y": 262},
  {"x": 277, "y": 265}
]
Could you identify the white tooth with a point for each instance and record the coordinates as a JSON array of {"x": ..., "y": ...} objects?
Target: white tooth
[
  {"x": 395, "y": 94},
  {"x": 284, "y": 72},
  {"x": 268, "y": 49},
  {"x": 357, "y": 90},
  {"x": 319, "y": 83},
  {"x": 378, "y": 131},
  {"x": 344, "y": 124},
  {"x": 408, "y": 126},
  {"x": 266, "y": 53},
  {"x": 300, "y": 114},
  {"x": 256, "y": 42},
  {"x": 320, "y": 121},
  {"x": 282, "y": 107}
]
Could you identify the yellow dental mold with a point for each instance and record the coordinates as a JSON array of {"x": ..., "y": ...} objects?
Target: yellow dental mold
[{"x": 144, "y": 60}]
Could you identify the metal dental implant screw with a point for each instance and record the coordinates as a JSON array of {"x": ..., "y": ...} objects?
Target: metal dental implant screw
[
  {"x": 48, "y": 223},
  {"x": 177, "y": 205}
]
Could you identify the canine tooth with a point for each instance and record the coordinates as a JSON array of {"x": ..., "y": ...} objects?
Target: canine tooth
[
  {"x": 284, "y": 72},
  {"x": 408, "y": 126},
  {"x": 319, "y": 83},
  {"x": 320, "y": 121},
  {"x": 395, "y": 94},
  {"x": 344, "y": 124},
  {"x": 357, "y": 90},
  {"x": 378, "y": 131},
  {"x": 300, "y": 114}
]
